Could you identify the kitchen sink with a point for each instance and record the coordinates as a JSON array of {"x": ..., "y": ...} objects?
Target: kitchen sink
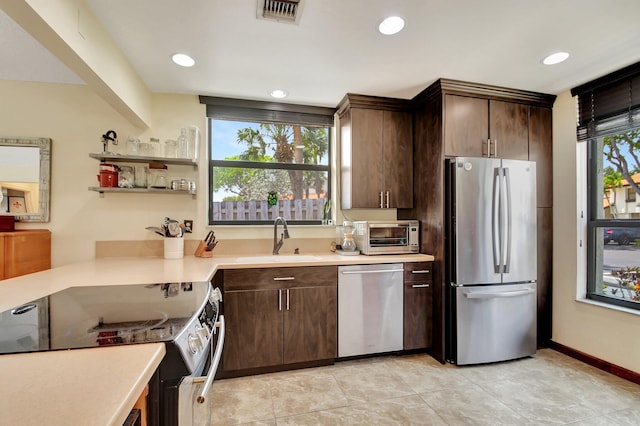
[{"x": 277, "y": 259}]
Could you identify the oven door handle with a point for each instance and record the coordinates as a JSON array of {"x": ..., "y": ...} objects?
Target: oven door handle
[{"x": 214, "y": 365}]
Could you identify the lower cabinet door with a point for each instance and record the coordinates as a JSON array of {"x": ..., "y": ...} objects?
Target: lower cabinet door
[
  {"x": 253, "y": 329},
  {"x": 310, "y": 324},
  {"x": 417, "y": 315}
]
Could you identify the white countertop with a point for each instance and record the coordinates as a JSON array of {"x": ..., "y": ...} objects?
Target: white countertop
[
  {"x": 122, "y": 271},
  {"x": 96, "y": 386},
  {"x": 100, "y": 385}
]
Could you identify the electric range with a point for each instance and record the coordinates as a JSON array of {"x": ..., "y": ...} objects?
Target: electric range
[{"x": 183, "y": 315}]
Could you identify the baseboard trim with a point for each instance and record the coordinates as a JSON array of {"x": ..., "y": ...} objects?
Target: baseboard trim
[{"x": 603, "y": 365}]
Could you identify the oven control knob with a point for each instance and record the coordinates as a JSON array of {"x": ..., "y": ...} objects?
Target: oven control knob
[
  {"x": 194, "y": 343},
  {"x": 203, "y": 333}
]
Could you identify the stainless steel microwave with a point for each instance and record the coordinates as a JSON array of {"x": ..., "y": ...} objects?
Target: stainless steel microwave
[{"x": 387, "y": 237}]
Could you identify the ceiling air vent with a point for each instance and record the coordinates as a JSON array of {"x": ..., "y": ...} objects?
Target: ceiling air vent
[{"x": 286, "y": 11}]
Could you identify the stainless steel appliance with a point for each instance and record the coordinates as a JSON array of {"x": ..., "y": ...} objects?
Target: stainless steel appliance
[
  {"x": 370, "y": 309},
  {"x": 185, "y": 316},
  {"x": 387, "y": 237},
  {"x": 490, "y": 259}
]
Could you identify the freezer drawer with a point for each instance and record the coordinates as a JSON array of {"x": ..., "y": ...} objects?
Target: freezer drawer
[{"x": 495, "y": 323}]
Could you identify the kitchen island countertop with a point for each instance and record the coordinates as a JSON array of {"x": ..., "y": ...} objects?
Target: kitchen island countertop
[{"x": 96, "y": 386}]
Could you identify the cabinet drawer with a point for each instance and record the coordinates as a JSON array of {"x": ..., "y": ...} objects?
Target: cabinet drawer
[
  {"x": 274, "y": 278},
  {"x": 418, "y": 271},
  {"x": 418, "y": 328}
]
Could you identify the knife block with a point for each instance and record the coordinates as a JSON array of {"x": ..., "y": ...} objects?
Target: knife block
[{"x": 201, "y": 250}]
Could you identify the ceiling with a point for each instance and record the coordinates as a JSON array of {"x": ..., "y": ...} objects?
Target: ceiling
[{"x": 335, "y": 48}]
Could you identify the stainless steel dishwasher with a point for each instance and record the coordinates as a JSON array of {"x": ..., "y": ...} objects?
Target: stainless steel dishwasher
[{"x": 370, "y": 309}]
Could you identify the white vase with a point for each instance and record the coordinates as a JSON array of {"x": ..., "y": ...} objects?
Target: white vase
[{"x": 173, "y": 248}]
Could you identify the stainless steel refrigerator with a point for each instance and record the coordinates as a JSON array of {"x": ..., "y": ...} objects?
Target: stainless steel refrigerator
[{"x": 490, "y": 259}]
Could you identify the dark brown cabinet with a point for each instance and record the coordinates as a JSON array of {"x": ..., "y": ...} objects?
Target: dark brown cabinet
[
  {"x": 376, "y": 140},
  {"x": 454, "y": 118},
  {"x": 418, "y": 295},
  {"x": 477, "y": 127},
  {"x": 510, "y": 130},
  {"x": 279, "y": 316},
  {"x": 544, "y": 258},
  {"x": 540, "y": 151}
]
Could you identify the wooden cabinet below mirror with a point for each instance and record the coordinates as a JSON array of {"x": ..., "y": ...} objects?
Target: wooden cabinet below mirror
[{"x": 24, "y": 252}]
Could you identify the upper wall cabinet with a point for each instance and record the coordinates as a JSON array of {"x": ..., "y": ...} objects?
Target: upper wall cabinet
[
  {"x": 376, "y": 140},
  {"x": 481, "y": 121},
  {"x": 478, "y": 127}
]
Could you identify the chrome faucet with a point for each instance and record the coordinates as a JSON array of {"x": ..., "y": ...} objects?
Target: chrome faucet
[{"x": 277, "y": 244}]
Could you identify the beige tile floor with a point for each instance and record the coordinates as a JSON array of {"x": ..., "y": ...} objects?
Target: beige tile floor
[{"x": 549, "y": 388}]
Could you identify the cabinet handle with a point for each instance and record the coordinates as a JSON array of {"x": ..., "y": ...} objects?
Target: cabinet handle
[
  {"x": 375, "y": 271},
  {"x": 495, "y": 148},
  {"x": 423, "y": 271},
  {"x": 287, "y": 299},
  {"x": 420, "y": 285},
  {"x": 280, "y": 299},
  {"x": 387, "y": 196},
  {"x": 381, "y": 200},
  {"x": 284, "y": 278},
  {"x": 488, "y": 148}
]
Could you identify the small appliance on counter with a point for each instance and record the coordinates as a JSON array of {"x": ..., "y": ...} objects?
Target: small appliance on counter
[
  {"x": 387, "y": 237},
  {"x": 346, "y": 244}
]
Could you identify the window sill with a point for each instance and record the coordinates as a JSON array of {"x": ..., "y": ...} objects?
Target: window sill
[
  {"x": 609, "y": 306},
  {"x": 267, "y": 225}
]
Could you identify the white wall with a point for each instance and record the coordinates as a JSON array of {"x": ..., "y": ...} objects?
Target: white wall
[
  {"x": 599, "y": 331},
  {"x": 74, "y": 117}
]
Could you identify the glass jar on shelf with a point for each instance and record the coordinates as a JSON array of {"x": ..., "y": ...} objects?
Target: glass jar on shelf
[
  {"x": 194, "y": 141},
  {"x": 170, "y": 149},
  {"x": 183, "y": 144},
  {"x": 158, "y": 178},
  {"x": 133, "y": 146},
  {"x": 125, "y": 177},
  {"x": 140, "y": 175},
  {"x": 155, "y": 147}
]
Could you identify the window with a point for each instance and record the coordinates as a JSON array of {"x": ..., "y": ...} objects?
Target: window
[
  {"x": 631, "y": 194},
  {"x": 266, "y": 160},
  {"x": 609, "y": 121}
]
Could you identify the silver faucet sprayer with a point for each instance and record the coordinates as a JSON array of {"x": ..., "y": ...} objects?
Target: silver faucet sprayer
[{"x": 285, "y": 234}]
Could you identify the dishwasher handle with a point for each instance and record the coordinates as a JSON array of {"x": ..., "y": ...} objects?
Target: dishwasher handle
[{"x": 378, "y": 271}]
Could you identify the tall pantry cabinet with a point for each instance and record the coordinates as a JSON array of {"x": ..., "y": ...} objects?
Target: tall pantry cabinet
[{"x": 454, "y": 118}]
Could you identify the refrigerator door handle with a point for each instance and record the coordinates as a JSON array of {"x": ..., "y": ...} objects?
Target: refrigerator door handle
[
  {"x": 497, "y": 294},
  {"x": 495, "y": 221},
  {"x": 507, "y": 251}
]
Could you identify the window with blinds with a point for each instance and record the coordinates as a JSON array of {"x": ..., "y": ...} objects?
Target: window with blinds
[
  {"x": 609, "y": 122},
  {"x": 268, "y": 160}
]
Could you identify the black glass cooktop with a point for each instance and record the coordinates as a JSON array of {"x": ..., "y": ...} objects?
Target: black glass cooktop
[{"x": 84, "y": 317}]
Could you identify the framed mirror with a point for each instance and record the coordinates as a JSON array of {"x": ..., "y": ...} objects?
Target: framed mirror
[{"x": 25, "y": 170}]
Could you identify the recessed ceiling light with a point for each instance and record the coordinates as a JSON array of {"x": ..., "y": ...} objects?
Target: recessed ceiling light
[
  {"x": 555, "y": 58},
  {"x": 183, "y": 60},
  {"x": 278, "y": 93},
  {"x": 391, "y": 25}
]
